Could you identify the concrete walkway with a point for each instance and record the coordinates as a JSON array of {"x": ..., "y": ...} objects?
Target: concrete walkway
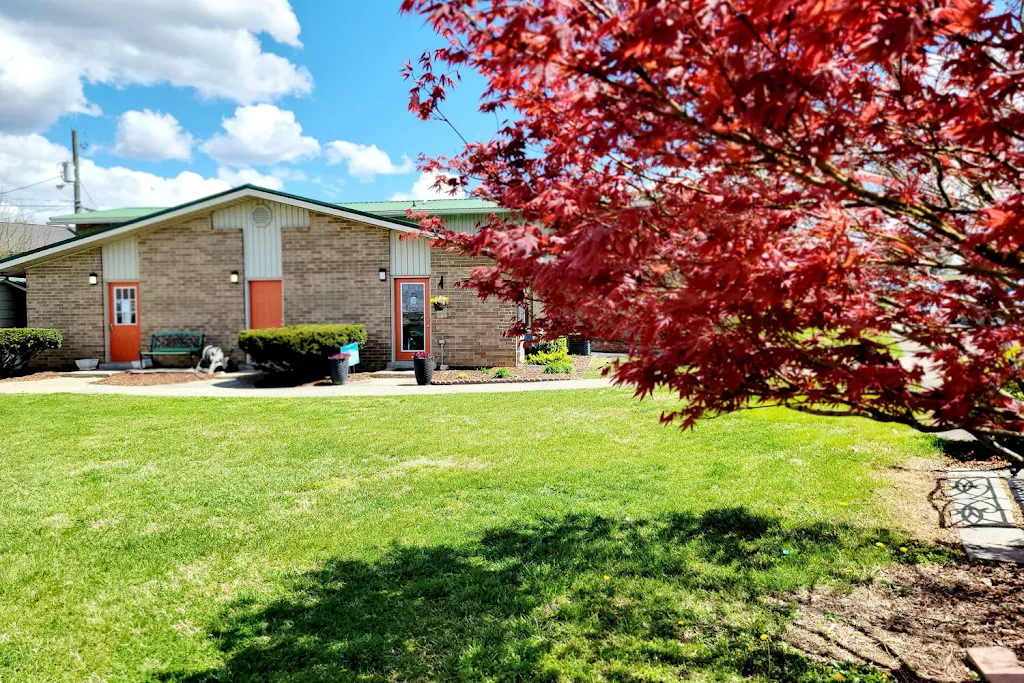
[{"x": 240, "y": 385}]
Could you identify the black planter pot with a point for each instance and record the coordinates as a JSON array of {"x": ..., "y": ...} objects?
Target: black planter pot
[
  {"x": 578, "y": 346},
  {"x": 339, "y": 370},
  {"x": 424, "y": 369}
]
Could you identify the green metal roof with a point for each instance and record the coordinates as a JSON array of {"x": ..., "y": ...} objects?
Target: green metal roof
[
  {"x": 438, "y": 206},
  {"x": 126, "y": 214},
  {"x": 390, "y": 208}
]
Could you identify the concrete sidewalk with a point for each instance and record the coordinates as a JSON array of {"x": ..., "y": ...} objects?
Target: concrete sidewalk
[{"x": 240, "y": 385}]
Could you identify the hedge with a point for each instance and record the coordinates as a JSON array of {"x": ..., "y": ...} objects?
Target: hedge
[
  {"x": 19, "y": 345},
  {"x": 298, "y": 348}
]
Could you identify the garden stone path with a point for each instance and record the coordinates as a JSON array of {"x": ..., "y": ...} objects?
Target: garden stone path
[{"x": 982, "y": 510}]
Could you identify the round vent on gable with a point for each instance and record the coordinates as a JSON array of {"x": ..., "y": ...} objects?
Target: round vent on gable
[{"x": 261, "y": 216}]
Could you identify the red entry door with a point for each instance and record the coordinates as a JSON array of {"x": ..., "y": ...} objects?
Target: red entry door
[
  {"x": 265, "y": 304},
  {"x": 412, "y": 316},
  {"x": 125, "y": 325}
]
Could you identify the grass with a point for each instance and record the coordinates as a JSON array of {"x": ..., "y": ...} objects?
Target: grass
[
  {"x": 560, "y": 535},
  {"x": 597, "y": 364}
]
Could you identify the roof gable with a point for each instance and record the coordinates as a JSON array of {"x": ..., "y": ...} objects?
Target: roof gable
[{"x": 17, "y": 264}]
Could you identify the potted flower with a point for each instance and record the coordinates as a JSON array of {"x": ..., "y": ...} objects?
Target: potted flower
[
  {"x": 440, "y": 303},
  {"x": 339, "y": 367},
  {"x": 423, "y": 365}
]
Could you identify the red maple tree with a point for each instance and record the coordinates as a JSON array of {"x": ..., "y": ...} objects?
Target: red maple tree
[{"x": 809, "y": 203}]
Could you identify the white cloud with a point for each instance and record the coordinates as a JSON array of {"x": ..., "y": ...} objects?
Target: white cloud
[
  {"x": 365, "y": 161},
  {"x": 48, "y": 48},
  {"x": 249, "y": 176},
  {"x": 152, "y": 136},
  {"x": 26, "y": 159},
  {"x": 285, "y": 173},
  {"x": 423, "y": 188},
  {"x": 261, "y": 134}
]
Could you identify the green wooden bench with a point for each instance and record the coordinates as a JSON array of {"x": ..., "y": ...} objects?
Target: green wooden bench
[{"x": 178, "y": 343}]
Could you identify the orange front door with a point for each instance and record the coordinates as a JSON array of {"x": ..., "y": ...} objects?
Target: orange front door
[
  {"x": 265, "y": 309},
  {"x": 412, "y": 316},
  {"x": 125, "y": 325}
]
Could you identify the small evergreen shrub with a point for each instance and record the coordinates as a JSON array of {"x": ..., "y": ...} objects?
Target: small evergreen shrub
[
  {"x": 19, "y": 345},
  {"x": 559, "y": 367},
  {"x": 299, "y": 349},
  {"x": 557, "y": 353},
  {"x": 556, "y": 361},
  {"x": 550, "y": 346},
  {"x": 501, "y": 373}
]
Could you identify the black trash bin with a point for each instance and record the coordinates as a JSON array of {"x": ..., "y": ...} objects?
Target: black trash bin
[{"x": 578, "y": 346}]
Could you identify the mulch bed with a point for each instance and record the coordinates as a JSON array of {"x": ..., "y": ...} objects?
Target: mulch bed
[
  {"x": 152, "y": 379},
  {"x": 915, "y": 620},
  {"x": 34, "y": 377},
  {"x": 521, "y": 374}
]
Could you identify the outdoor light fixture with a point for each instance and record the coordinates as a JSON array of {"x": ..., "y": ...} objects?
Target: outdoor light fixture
[
  {"x": 234, "y": 277},
  {"x": 93, "y": 279},
  {"x": 382, "y": 274}
]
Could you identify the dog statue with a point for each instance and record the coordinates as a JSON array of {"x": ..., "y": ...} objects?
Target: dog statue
[{"x": 212, "y": 360}]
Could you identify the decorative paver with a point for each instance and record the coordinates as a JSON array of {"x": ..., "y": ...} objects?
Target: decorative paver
[
  {"x": 979, "y": 499},
  {"x": 1017, "y": 489},
  {"x": 981, "y": 509},
  {"x": 996, "y": 664},
  {"x": 993, "y": 544}
]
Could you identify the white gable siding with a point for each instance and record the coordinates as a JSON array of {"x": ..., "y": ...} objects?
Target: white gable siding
[
  {"x": 409, "y": 256},
  {"x": 121, "y": 260},
  {"x": 261, "y": 243}
]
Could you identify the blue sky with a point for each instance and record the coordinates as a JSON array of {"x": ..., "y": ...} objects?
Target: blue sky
[{"x": 175, "y": 101}]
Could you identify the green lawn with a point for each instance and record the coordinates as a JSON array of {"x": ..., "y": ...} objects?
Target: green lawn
[{"x": 549, "y": 535}]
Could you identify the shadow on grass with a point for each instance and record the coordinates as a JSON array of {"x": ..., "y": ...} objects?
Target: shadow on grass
[{"x": 576, "y": 598}]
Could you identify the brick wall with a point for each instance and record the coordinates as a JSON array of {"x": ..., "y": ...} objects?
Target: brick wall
[
  {"x": 61, "y": 297},
  {"x": 473, "y": 329},
  {"x": 184, "y": 282},
  {"x": 331, "y": 276}
]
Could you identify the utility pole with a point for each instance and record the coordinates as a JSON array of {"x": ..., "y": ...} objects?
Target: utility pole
[{"x": 78, "y": 175}]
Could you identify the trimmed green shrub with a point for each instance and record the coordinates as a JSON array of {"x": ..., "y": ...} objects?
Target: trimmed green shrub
[
  {"x": 559, "y": 367},
  {"x": 300, "y": 349},
  {"x": 19, "y": 345},
  {"x": 501, "y": 373},
  {"x": 558, "y": 353},
  {"x": 550, "y": 346}
]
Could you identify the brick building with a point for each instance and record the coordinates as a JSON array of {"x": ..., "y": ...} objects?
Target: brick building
[{"x": 252, "y": 257}]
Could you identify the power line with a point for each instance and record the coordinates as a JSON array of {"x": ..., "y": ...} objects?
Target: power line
[
  {"x": 91, "y": 200},
  {"x": 25, "y": 187}
]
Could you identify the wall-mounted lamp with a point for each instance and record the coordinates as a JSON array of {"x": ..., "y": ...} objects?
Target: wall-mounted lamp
[
  {"x": 93, "y": 279},
  {"x": 234, "y": 277},
  {"x": 382, "y": 274}
]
